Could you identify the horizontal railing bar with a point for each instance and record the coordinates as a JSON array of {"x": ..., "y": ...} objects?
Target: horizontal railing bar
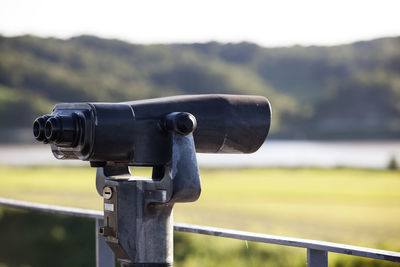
[
  {"x": 290, "y": 241},
  {"x": 221, "y": 232},
  {"x": 86, "y": 213}
]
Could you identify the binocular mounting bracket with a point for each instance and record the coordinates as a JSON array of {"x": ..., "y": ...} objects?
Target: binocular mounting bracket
[{"x": 138, "y": 221}]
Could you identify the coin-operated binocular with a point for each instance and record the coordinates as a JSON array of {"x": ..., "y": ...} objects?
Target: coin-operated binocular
[{"x": 163, "y": 133}]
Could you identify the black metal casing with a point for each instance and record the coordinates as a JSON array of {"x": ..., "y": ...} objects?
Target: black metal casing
[{"x": 136, "y": 133}]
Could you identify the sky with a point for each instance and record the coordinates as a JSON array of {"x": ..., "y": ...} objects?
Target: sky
[{"x": 268, "y": 23}]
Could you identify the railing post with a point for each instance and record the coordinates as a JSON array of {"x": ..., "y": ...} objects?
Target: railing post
[
  {"x": 104, "y": 255},
  {"x": 317, "y": 258}
]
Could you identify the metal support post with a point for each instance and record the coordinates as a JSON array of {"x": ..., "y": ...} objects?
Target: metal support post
[
  {"x": 317, "y": 258},
  {"x": 104, "y": 255},
  {"x": 138, "y": 224}
]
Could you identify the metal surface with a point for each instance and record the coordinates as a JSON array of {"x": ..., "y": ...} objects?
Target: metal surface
[
  {"x": 104, "y": 255},
  {"x": 225, "y": 123},
  {"x": 138, "y": 211},
  {"x": 212, "y": 231},
  {"x": 290, "y": 241},
  {"x": 317, "y": 258},
  {"x": 84, "y": 213}
]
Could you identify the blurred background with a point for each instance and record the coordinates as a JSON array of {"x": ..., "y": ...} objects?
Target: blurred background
[{"x": 328, "y": 170}]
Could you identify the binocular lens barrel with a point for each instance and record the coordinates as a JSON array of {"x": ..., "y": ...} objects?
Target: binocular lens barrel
[{"x": 225, "y": 123}]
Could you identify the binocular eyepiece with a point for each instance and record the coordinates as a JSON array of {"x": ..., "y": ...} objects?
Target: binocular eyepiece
[
  {"x": 138, "y": 132},
  {"x": 62, "y": 130},
  {"x": 39, "y": 128}
]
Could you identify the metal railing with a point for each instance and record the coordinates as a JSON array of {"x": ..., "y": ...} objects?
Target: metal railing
[{"x": 317, "y": 251}]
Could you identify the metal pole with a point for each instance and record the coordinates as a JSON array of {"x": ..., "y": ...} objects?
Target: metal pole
[
  {"x": 317, "y": 258},
  {"x": 104, "y": 255}
]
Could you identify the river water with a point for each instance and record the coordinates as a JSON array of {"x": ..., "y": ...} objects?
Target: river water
[{"x": 325, "y": 154}]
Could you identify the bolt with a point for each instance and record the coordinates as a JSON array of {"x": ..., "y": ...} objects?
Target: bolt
[{"x": 185, "y": 123}]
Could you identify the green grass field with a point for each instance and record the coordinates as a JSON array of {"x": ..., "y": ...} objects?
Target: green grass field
[{"x": 358, "y": 207}]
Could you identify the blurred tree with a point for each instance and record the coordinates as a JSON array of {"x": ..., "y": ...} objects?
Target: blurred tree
[{"x": 347, "y": 91}]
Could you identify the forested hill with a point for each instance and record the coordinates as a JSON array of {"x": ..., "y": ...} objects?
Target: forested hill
[{"x": 347, "y": 91}]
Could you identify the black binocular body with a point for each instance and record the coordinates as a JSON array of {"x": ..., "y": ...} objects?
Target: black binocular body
[
  {"x": 164, "y": 133},
  {"x": 137, "y": 132}
]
